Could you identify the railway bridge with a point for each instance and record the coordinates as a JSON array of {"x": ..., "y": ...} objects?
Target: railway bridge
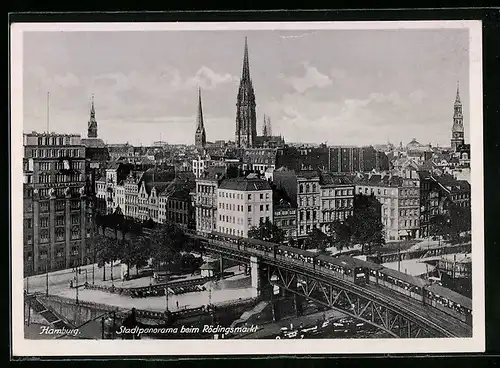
[{"x": 385, "y": 309}]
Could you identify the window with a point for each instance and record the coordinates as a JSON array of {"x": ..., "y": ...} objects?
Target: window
[
  {"x": 267, "y": 195},
  {"x": 261, "y": 220},
  {"x": 314, "y": 187},
  {"x": 249, "y": 208},
  {"x": 75, "y": 233},
  {"x": 267, "y": 207},
  {"x": 44, "y": 236},
  {"x": 44, "y": 206},
  {"x": 59, "y": 234},
  {"x": 307, "y": 188},
  {"x": 249, "y": 221},
  {"x": 261, "y": 207},
  {"x": 44, "y": 222},
  {"x": 301, "y": 188},
  {"x": 249, "y": 197},
  {"x": 301, "y": 216},
  {"x": 267, "y": 218},
  {"x": 261, "y": 196}
]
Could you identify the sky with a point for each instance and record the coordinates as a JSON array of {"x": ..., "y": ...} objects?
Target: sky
[{"x": 352, "y": 87}]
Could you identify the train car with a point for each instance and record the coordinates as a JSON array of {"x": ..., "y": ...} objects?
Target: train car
[
  {"x": 402, "y": 283},
  {"x": 259, "y": 245},
  {"x": 297, "y": 254},
  {"x": 222, "y": 237},
  {"x": 345, "y": 267},
  {"x": 450, "y": 302}
]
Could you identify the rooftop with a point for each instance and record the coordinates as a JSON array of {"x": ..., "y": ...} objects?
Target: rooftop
[{"x": 245, "y": 184}]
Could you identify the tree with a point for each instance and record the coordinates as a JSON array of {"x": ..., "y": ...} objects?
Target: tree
[
  {"x": 317, "y": 239},
  {"x": 342, "y": 233},
  {"x": 267, "y": 231},
  {"x": 106, "y": 250},
  {"x": 366, "y": 222},
  {"x": 167, "y": 241},
  {"x": 438, "y": 225},
  {"x": 459, "y": 220}
]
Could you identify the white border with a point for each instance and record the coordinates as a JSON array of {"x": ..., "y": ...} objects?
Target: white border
[{"x": 22, "y": 347}]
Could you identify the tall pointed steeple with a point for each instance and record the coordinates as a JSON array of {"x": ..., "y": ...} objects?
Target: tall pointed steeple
[
  {"x": 92, "y": 125},
  {"x": 457, "y": 130},
  {"x": 200, "y": 135},
  {"x": 246, "y": 122},
  {"x": 457, "y": 98},
  {"x": 245, "y": 74}
]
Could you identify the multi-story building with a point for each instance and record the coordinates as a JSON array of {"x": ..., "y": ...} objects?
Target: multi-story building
[
  {"x": 302, "y": 157},
  {"x": 308, "y": 203},
  {"x": 285, "y": 217},
  {"x": 348, "y": 159},
  {"x": 243, "y": 203},
  {"x": 259, "y": 159},
  {"x": 56, "y": 221},
  {"x": 337, "y": 200},
  {"x": 399, "y": 197},
  {"x": 437, "y": 192},
  {"x": 142, "y": 191},
  {"x": 205, "y": 200},
  {"x": 176, "y": 203},
  {"x": 106, "y": 186}
]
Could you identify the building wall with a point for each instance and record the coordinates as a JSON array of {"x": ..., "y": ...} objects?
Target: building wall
[
  {"x": 337, "y": 203},
  {"x": 409, "y": 208},
  {"x": 389, "y": 198},
  {"x": 286, "y": 219},
  {"x": 309, "y": 205},
  {"x": 55, "y": 205},
  {"x": 239, "y": 211},
  {"x": 205, "y": 203}
]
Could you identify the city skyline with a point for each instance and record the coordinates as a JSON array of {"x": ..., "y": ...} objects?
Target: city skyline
[{"x": 388, "y": 85}]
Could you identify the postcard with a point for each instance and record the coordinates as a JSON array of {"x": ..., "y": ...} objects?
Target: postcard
[{"x": 233, "y": 188}]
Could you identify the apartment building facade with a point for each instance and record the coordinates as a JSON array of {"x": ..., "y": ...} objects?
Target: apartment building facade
[
  {"x": 56, "y": 221},
  {"x": 243, "y": 203}
]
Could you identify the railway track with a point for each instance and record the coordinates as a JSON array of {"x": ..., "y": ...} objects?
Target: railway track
[{"x": 404, "y": 305}]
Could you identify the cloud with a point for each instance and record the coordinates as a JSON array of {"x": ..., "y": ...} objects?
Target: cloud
[
  {"x": 206, "y": 78},
  {"x": 312, "y": 78},
  {"x": 347, "y": 121},
  {"x": 67, "y": 80}
]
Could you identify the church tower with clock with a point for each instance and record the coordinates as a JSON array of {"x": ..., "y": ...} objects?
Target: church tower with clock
[{"x": 457, "y": 131}]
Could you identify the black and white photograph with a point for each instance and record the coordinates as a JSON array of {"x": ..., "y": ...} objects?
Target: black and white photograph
[{"x": 180, "y": 183}]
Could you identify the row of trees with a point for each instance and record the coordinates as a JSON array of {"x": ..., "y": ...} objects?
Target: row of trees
[
  {"x": 134, "y": 244},
  {"x": 364, "y": 227}
]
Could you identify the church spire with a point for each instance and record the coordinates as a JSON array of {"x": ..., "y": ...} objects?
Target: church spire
[
  {"x": 457, "y": 98},
  {"x": 246, "y": 123},
  {"x": 200, "y": 135},
  {"x": 200, "y": 125},
  {"x": 245, "y": 75},
  {"x": 92, "y": 125},
  {"x": 92, "y": 109}
]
